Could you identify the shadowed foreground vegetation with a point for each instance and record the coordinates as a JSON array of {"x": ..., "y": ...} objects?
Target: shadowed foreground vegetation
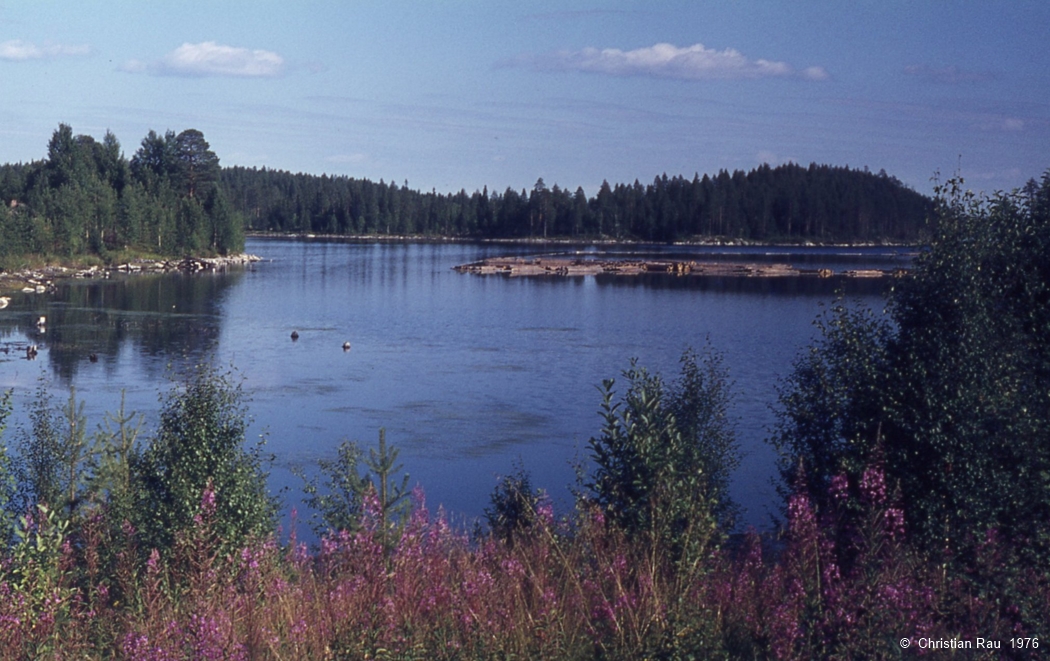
[
  {"x": 579, "y": 586},
  {"x": 916, "y": 483}
]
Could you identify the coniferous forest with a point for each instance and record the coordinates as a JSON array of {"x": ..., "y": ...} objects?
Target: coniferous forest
[
  {"x": 786, "y": 203},
  {"x": 172, "y": 198},
  {"x": 87, "y": 198}
]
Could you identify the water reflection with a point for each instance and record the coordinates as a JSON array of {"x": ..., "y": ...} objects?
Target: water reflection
[
  {"x": 808, "y": 286},
  {"x": 469, "y": 374},
  {"x": 176, "y": 317}
]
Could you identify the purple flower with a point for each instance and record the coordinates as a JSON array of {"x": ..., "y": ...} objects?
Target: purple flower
[
  {"x": 893, "y": 519},
  {"x": 839, "y": 488},
  {"x": 208, "y": 500},
  {"x": 873, "y": 485}
]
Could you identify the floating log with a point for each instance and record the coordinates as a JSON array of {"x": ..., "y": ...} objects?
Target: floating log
[{"x": 564, "y": 266}]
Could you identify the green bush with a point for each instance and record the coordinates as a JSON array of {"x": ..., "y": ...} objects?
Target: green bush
[
  {"x": 663, "y": 460},
  {"x": 201, "y": 444},
  {"x": 951, "y": 392},
  {"x": 514, "y": 506},
  {"x": 8, "y": 478},
  {"x": 342, "y": 499}
]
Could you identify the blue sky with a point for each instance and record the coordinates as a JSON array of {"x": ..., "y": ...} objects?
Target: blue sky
[{"x": 464, "y": 93}]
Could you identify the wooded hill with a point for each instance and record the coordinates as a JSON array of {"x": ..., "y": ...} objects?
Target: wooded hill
[
  {"x": 172, "y": 198},
  {"x": 786, "y": 203}
]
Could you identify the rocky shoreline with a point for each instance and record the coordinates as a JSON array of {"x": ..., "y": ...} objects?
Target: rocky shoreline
[{"x": 43, "y": 279}]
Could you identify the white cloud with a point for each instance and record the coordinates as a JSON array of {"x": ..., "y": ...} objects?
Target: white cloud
[
  {"x": 211, "y": 59},
  {"x": 18, "y": 50},
  {"x": 694, "y": 62},
  {"x": 134, "y": 66}
]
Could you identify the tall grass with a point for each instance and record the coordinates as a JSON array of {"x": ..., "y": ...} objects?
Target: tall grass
[{"x": 570, "y": 588}]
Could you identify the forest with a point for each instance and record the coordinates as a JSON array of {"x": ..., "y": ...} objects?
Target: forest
[
  {"x": 792, "y": 203},
  {"x": 86, "y": 199}
]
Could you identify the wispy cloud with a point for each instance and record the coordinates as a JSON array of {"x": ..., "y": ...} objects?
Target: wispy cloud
[
  {"x": 211, "y": 59},
  {"x": 951, "y": 75},
  {"x": 17, "y": 50},
  {"x": 694, "y": 62}
]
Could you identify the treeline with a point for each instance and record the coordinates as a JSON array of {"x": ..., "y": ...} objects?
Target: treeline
[
  {"x": 87, "y": 198},
  {"x": 172, "y": 198},
  {"x": 786, "y": 203}
]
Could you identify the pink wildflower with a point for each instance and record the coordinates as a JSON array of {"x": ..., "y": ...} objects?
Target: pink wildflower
[
  {"x": 208, "y": 500},
  {"x": 839, "y": 488},
  {"x": 873, "y": 485}
]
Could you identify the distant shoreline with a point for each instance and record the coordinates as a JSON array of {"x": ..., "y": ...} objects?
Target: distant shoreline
[
  {"x": 717, "y": 242},
  {"x": 42, "y": 280}
]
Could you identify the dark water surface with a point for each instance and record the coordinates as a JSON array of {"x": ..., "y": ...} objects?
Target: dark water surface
[{"x": 469, "y": 374}]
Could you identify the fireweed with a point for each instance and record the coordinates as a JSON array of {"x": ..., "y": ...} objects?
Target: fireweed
[{"x": 831, "y": 586}]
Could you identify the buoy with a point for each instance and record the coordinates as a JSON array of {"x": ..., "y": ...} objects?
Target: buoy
[
  {"x": 4, "y": 301},
  {"x": 31, "y": 352},
  {"x": 42, "y": 321},
  {"x": 295, "y": 335},
  {"x": 93, "y": 357},
  {"x": 346, "y": 346}
]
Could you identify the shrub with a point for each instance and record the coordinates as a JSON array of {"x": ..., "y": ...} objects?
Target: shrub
[
  {"x": 514, "y": 506},
  {"x": 201, "y": 441},
  {"x": 338, "y": 502},
  {"x": 952, "y": 396},
  {"x": 53, "y": 454},
  {"x": 8, "y": 477},
  {"x": 662, "y": 462}
]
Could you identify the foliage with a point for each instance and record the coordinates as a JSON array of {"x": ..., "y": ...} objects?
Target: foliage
[
  {"x": 954, "y": 396},
  {"x": 391, "y": 503},
  {"x": 833, "y": 587},
  {"x": 8, "y": 477},
  {"x": 53, "y": 454},
  {"x": 514, "y": 506},
  {"x": 788, "y": 203},
  {"x": 86, "y": 198},
  {"x": 201, "y": 445},
  {"x": 340, "y": 501},
  {"x": 665, "y": 454},
  {"x": 845, "y": 579},
  {"x": 832, "y": 402}
]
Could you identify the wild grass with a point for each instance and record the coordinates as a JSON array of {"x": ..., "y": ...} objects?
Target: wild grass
[{"x": 574, "y": 587}]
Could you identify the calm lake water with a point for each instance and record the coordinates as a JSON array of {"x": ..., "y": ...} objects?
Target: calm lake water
[{"x": 470, "y": 375}]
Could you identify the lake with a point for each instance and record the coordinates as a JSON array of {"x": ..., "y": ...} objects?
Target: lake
[{"x": 470, "y": 375}]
